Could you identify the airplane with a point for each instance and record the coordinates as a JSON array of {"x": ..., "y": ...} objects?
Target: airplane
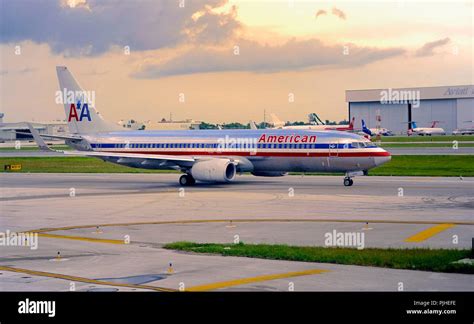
[
  {"x": 433, "y": 130},
  {"x": 375, "y": 131},
  {"x": 212, "y": 155},
  {"x": 278, "y": 124},
  {"x": 465, "y": 130}
]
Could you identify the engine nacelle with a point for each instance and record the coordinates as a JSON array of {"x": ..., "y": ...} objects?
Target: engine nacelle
[
  {"x": 269, "y": 174},
  {"x": 214, "y": 170}
]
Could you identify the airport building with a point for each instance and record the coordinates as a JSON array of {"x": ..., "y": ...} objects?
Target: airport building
[
  {"x": 160, "y": 125},
  {"x": 8, "y": 131},
  {"x": 451, "y": 106},
  {"x": 173, "y": 125}
]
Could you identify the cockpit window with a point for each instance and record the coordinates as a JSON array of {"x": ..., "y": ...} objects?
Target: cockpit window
[{"x": 359, "y": 144}]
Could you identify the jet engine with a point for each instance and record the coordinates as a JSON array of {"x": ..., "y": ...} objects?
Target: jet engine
[{"x": 214, "y": 170}]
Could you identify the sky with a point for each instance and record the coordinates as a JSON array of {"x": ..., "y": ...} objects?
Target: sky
[{"x": 228, "y": 59}]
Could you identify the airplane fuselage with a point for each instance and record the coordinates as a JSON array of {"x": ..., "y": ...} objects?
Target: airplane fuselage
[
  {"x": 259, "y": 151},
  {"x": 429, "y": 131}
]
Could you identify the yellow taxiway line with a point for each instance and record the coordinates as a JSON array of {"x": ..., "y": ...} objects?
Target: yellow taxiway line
[
  {"x": 440, "y": 226},
  {"x": 206, "y": 287},
  {"x": 427, "y": 233},
  {"x": 81, "y": 279},
  {"x": 81, "y": 238},
  {"x": 250, "y": 220},
  {"x": 244, "y": 281}
]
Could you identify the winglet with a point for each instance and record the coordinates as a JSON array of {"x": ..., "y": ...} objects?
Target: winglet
[{"x": 38, "y": 139}]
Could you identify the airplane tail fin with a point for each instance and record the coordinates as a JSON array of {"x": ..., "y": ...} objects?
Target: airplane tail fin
[
  {"x": 276, "y": 121},
  {"x": 253, "y": 126},
  {"x": 434, "y": 123},
  {"x": 413, "y": 124},
  {"x": 79, "y": 106},
  {"x": 365, "y": 129},
  {"x": 351, "y": 124},
  {"x": 314, "y": 119}
]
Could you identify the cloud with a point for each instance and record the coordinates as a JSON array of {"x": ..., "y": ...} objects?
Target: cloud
[
  {"x": 428, "y": 48},
  {"x": 75, "y": 4},
  {"x": 320, "y": 13},
  {"x": 339, "y": 13},
  {"x": 213, "y": 28},
  {"x": 255, "y": 57},
  {"x": 79, "y": 27},
  {"x": 24, "y": 70}
]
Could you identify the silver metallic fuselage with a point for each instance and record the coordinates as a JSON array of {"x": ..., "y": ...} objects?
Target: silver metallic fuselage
[{"x": 263, "y": 150}]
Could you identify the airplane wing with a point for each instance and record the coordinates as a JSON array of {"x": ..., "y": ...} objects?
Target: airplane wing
[
  {"x": 157, "y": 160},
  {"x": 129, "y": 156},
  {"x": 62, "y": 137},
  {"x": 39, "y": 140}
]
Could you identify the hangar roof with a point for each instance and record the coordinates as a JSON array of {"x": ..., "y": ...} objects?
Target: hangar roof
[{"x": 444, "y": 92}]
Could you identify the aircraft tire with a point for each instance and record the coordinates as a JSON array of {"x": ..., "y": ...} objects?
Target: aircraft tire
[
  {"x": 186, "y": 180},
  {"x": 348, "y": 182}
]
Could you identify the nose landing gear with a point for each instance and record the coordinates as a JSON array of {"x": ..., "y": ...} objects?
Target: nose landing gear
[{"x": 350, "y": 174}]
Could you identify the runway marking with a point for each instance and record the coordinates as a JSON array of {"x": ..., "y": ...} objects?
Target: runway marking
[
  {"x": 81, "y": 279},
  {"x": 243, "y": 281},
  {"x": 80, "y": 238},
  {"x": 254, "y": 220},
  {"x": 427, "y": 233}
]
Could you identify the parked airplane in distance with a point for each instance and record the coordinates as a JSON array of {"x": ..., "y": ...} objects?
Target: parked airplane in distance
[
  {"x": 375, "y": 131},
  {"x": 428, "y": 131},
  {"x": 212, "y": 155},
  {"x": 465, "y": 130},
  {"x": 278, "y": 124}
]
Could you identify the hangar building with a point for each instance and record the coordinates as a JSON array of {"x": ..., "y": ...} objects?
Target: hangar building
[{"x": 451, "y": 106}]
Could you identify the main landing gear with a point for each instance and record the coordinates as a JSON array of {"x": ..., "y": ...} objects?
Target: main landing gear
[
  {"x": 186, "y": 180},
  {"x": 348, "y": 182}
]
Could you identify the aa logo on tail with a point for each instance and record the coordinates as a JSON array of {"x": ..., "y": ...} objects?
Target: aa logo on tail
[{"x": 84, "y": 109}]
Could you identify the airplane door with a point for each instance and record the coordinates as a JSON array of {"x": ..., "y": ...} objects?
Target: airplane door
[{"x": 333, "y": 149}]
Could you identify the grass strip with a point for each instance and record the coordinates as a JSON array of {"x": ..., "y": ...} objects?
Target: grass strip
[
  {"x": 435, "y": 138},
  {"x": 70, "y": 165},
  {"x": 436, "y": 260},
  {"x": 400, "y": 165}
]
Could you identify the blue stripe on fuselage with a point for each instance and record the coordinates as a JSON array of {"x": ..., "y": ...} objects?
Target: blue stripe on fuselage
[{"x": 238, "y": 133}]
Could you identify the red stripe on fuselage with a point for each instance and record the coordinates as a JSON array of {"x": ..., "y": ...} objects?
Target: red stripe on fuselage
[{"x": 243, "y": 153}]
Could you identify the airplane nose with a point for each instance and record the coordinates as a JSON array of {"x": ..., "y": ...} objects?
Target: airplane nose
[{"x": 379, "y": 160}]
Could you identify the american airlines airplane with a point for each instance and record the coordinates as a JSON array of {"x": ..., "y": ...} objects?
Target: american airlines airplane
[{"x": 212, "y": 155}]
